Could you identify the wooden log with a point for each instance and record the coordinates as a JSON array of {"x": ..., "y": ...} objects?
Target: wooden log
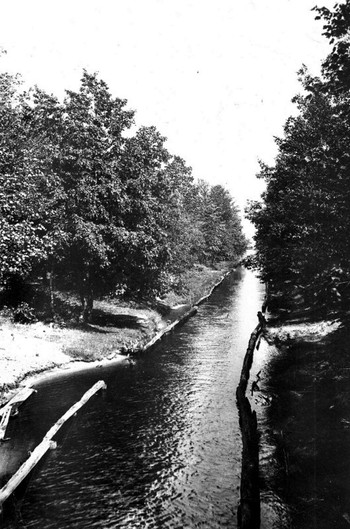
[
  {"x": 188, "y": 315},
  {"x": 76, "y": 407},
  {"x": 24, "y": 470},
  {"x": 248, "y": 359},
  {"x": 156, "y": 338},
  {"x": 249, "y": 507},
  {"x": 19, "y": 398},
  {"x": 183, "y": 318},
  {"x": 11, "y": 407},
  {"x": 207, "y": 296},
  {"x": 169, "y": 328},
  {"x": 45, "y": 445},
  {"x": 6, "y": 412}
]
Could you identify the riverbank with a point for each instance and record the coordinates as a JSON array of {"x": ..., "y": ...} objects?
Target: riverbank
[
  {"x": 303, "y": 390},
  {"x": 117, "y": 327}
]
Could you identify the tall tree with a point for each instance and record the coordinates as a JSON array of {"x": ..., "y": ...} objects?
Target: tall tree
[
  {"x": 26, "y": 184},
  {"x": 97, "y": 208},
  {"x": 302, "y": 222},
  {"x": 336, "y": 67},
  {"x": 88, "y": 164}
]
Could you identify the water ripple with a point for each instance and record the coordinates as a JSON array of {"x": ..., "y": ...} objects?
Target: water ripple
[{"x": 162, "y": 449}]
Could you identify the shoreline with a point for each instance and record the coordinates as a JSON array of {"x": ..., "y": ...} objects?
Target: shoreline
[
  {"x": 43, "y": 364},
  {"x": 300, "y": 384}
]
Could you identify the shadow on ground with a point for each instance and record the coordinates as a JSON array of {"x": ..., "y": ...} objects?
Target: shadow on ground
[{"x": 310, "y": 419}]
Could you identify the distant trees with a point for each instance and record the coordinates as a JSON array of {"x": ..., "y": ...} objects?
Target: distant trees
[
  {"x": 302, "y": 223},
  {"x": 94, "y": 208}
]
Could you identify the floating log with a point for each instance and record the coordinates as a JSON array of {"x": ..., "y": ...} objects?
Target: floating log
[
  {"x": 169, "y": 328},
  {"x": 249, "y": 508},
  {"x": 4, "y": 421},
  {"x": 193, "y": 310},
  {"x": 207, "y": 296},
  {"x": 21, "y": 396},
  {"x": 45, "y": 445},
  {"x": 248, "y": 359},
  {"x": 157, "y": 337},
  {"x": 11, "y": 408}
]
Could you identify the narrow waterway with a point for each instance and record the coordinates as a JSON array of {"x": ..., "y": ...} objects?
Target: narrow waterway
[{"x": 162, "y": 447}]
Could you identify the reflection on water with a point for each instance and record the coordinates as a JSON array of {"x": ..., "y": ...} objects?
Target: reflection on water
[
  {"x": 274, "y": 512},
  {"x": 161, "y": 448}
]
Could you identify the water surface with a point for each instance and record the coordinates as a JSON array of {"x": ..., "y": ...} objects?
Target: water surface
[{"x": 162, "y": 447}]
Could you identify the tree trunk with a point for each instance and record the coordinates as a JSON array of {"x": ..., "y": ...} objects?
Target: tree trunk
[
  {"x": 50, "y": 283},
  {"x": 87, "y": 297},
  {"x": 52, "y": 296}
]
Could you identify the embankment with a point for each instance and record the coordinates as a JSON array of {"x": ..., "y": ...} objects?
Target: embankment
[
  {"x": 308, "y": 382},
  {"x": 118, "y": 329}
]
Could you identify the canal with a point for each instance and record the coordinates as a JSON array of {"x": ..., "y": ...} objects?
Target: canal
[{"x": 161, "y": 448}]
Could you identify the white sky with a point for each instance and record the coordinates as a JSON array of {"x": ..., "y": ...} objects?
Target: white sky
[{"x": 214, "y": 76}]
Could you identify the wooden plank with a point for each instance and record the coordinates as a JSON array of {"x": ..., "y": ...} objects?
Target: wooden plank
[
  {"x": 22, "y": 396},
  {"x": 12, "y": 406},
  {"x": 169, "y": 328},
  {"x": 4, "y": 421},
  {"x": 18, "y": 399},
  {"x": 45, "y": 444},
  {"x": 24, "y": 470},
  {"x": 249, "y": 507},
  {"x": 207, "y": 296},
  {"x": 76, "y": 407}
]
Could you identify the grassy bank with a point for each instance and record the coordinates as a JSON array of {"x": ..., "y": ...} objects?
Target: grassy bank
[
  {"x": 309, "y": 419},
  {"x": 117, "y": 326}
]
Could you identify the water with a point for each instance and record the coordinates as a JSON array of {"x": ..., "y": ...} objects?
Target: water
[{"x": 162, "y": 447}]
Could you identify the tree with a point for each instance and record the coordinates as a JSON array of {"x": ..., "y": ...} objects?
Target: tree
[
  {"x": 88, "y": 163},
  {"x": 336, "y": 67},
  {"x": 218, "y": 222},
  {"x": 25, "y": 186},
  {"x": 302, "y": 222},
  {"x": 145, "y": 250},
  {"x": 185, "y": 236},
  {"x": 94, "y": 208},
  {"x": 228, "y": 229}
]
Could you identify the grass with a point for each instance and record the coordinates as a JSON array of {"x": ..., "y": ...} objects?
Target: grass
[
  {"x": 194, "y": 283},
  {"x": 116, "y": 326}
]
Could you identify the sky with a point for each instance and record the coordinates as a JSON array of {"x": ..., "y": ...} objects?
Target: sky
[{"x": 216, "y": 77}]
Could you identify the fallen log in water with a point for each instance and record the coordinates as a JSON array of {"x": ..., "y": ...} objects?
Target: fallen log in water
[
  {"x": 193, "y": 310},
  {"x": 5, "y": 417},
  {"x": 207, "y": 296},
  {"x": 45, "y": 445},
  {"x": 248, "y": 359},
  {"x": 12, "y": 407},
  {"x": 249, "y": 508},
  {"x": 158, "y": 337}
]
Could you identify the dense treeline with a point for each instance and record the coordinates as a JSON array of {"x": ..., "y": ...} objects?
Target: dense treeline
[
  {"x": 302, "y": 223},
  {"x": 96, "y": 209}
]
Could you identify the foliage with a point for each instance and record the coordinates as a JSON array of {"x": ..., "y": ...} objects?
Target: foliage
[
  {"x": 302, "y": 221},
  {"x": 336, "y": 67},
  {"x": 23, "y": 313},
  {"x": 84, "y": 205}
]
